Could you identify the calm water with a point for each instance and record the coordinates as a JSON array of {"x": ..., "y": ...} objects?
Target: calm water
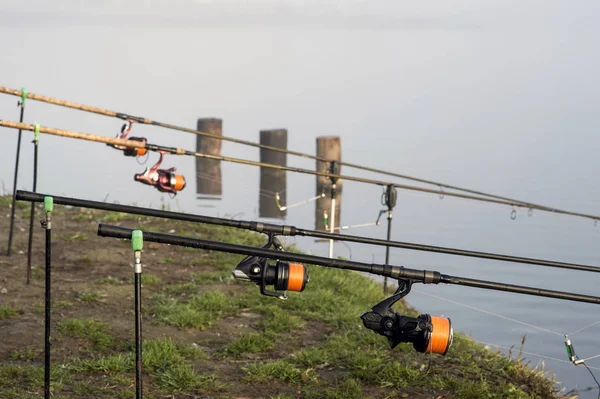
[{"x": 502, "y": 99}]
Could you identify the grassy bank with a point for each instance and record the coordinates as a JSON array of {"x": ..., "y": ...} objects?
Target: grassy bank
[{"x": 208, "y": 336}]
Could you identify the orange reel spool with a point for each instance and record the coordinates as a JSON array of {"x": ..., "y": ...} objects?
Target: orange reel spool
[
  {"x": 441, "y": 337},
  {"x": 177, "y": 182},
  {"x": 297, "y": 277}
]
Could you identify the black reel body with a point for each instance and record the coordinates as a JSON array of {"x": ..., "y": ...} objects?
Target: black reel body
[
  {"x": 283, "y": 276},
  {"x": 426, "y": 333}
]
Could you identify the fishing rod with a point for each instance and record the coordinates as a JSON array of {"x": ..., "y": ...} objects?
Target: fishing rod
[
  {"x": 288, "y": 230},
  {"x": 180, "y": 151},
  {"x": 129, "y": 120},
  {"x": 426, "y": 333}
]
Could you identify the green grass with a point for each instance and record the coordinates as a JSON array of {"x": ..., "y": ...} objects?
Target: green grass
[
  {"x": 198, "y": 311},
  {"x": 147, "y": 279},
  {"x": 348, "y": 388},
  {"x": 109, "y": 280},
  {"x": 62, "y": 304},
  {"x": 7, "y": 312},
  {"x": 277, "y": 321},
  {"x": 172, "y": 372},
  {"x": 278, "y": 370},
  {"x": 311, "y": 346},
  {"x": 119, "y": 363},
  {"x": 90, "y": 330},
  {"x": 250, "y": 343},
  {"x": 181, "y": 289},
  {"x": 212, "y": 278},
  {"x": 14, "y": 379},
  {"x": 26, "y": 355},
  {"x": 88, "y": 297}
]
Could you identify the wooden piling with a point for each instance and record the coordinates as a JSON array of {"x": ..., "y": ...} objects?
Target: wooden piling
[
  {"x": 328, "y": 147},
  {"x": 272, "y": 181},
  {"x": 208, "y": 171}
]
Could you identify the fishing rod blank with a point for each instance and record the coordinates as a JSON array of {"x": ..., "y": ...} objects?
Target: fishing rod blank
[
  {"x": 12, "y": 209},
  {"x": 180, "y": 151},
  {"x": 391, "y": 271},
  {"x": 286, "y": 230},
  {"x": 129, "y": 119}
]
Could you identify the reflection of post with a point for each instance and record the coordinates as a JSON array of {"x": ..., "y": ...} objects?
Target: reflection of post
[
  {"x": 329, "y": 148},
  {"x": 208, "y": 171},
  {"x": 271, "y": 180}
]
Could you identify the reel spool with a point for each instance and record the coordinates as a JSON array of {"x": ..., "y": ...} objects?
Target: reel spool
[{"x": 436, "y": 337}]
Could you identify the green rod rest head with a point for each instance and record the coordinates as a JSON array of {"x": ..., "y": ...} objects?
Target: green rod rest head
[
  {"x": 36, "y": 132},
  {"x": 48, "y": 204},
  {"x": 23, "y": 95},
  {"x": 137, "y": 240}
]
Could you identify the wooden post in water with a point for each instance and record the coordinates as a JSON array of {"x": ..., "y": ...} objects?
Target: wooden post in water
[
  {"x": 208, "y": 171},
  {"x": 272, "y": 181},
  {"x": 328, "y": 147}
]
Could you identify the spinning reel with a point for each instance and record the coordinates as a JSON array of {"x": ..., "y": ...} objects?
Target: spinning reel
[
  {"x": 284, "y": 276},
  {"x": 427, "y": 333},
  {"x": 165, "y": 180}
]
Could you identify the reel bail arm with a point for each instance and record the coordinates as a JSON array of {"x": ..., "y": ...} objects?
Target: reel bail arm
[{"x": 128, "y": 151}]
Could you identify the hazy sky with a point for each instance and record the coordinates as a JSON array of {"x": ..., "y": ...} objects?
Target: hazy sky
[{"x": 501, "y": 96}]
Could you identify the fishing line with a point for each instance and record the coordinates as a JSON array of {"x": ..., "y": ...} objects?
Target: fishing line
[
  {"x": 590, "y": 358},
  {"x": 584, "y": 328},
  {"x": 489, "y": 313}
]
